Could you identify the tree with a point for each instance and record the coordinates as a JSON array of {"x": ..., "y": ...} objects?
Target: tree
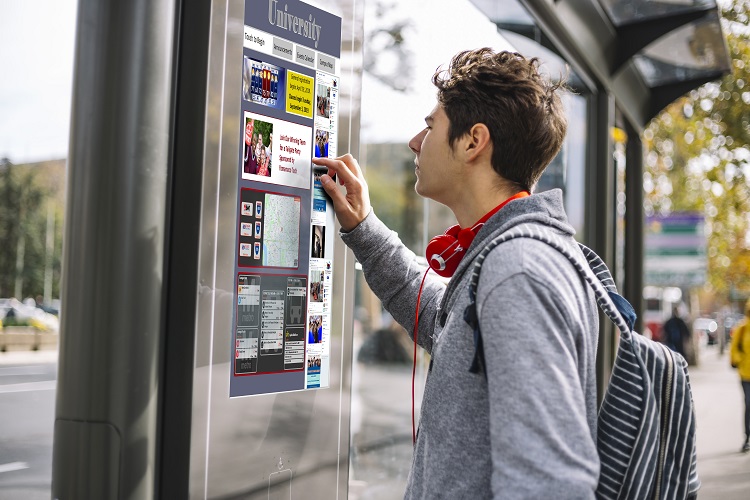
[
  {"x": 31, "y": 201},
  {"x": 698, "y": 159},
  {"x": 386, "y": 56}
]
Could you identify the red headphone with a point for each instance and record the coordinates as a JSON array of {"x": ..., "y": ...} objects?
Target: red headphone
[{"x": 445, "y": 252}]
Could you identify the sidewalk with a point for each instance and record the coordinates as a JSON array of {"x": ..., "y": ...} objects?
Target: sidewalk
[
  {"x": 723, "y": 470},
  {"x": 28, "y": 357}
]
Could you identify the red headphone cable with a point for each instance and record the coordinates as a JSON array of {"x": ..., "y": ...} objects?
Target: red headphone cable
[
  {"x": 414, "y": 363},
  {"x": 462, "y": 246}
]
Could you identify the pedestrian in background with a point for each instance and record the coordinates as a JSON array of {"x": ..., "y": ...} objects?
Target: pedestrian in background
[
  {"x": 676, "y": 332},
  {"x": 740, "y": 359}
]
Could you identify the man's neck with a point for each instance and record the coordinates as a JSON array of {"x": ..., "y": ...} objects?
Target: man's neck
[{"x": 478, "y": 204}]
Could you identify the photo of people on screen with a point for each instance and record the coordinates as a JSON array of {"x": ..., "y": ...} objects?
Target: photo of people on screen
[
  {"x": 313, "y": 363},
  {"x": 315, "y": 330},
  {"x": 323, "y": 103},
  {"x": 261, "y": 82},
  {"x": 318, "y": 242},
  {"x": 258, "y": 147},
  {"x": 248, "y": 74},
  {"x": 321, "y": 144},
  {"x": 316, "y": 288}
]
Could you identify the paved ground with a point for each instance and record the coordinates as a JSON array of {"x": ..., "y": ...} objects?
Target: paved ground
[
  {"x": 27, "y": 413},
  {"x": 724, "y": 471}
]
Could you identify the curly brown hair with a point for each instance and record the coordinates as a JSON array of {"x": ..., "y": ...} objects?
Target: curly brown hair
[{"x": 522, "y": 111}]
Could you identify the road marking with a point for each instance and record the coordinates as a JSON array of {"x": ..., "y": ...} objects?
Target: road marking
[
  {"x": 23, "y": 370},
  {"x": 46, "y": 385},
  {"x": 13, "y": 466}
]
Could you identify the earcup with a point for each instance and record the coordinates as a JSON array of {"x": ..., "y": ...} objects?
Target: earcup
[{"x": 445, "y": 252}]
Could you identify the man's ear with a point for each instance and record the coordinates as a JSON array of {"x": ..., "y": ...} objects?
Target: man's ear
[{"x": 477, "y": 142}]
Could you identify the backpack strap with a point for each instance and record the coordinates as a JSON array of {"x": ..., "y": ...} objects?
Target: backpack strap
[{"x": 594, "y": 271}]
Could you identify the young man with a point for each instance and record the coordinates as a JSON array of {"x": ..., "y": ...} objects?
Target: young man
[{"x": 528, "y": 429}]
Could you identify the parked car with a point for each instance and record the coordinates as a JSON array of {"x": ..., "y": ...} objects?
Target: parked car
[
  {"x": 5, "y": 304},
  {"x": 14, "y": 312}
]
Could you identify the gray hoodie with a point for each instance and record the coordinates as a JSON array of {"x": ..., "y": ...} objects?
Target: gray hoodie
[{"x": 529, "y": 429}]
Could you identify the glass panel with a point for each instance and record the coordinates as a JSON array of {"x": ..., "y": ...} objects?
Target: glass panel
[
  {"x": 404, "y": 45},
  {"x": 567, "y": 170},
  {"x": 629, "y": 11},
  {"x": 33, "y": 155},
  {"x": 620, "y": 142}
]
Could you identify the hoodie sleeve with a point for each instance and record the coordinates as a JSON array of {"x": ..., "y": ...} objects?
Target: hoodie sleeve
[
  {"x": 536, "y": 356},
  {"x": 394, "y": 275}
]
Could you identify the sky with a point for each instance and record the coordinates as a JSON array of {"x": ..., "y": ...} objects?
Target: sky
[
  {"x": 36, "y": 64},
  {"x": 437, "y": 34},
  {"x": 36, "y": 59}
]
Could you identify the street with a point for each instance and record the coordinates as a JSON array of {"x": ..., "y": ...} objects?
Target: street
[{"x": 27, "y": 411}]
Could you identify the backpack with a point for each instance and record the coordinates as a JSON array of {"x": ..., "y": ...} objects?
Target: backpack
[{"x": 646, "y": 422}]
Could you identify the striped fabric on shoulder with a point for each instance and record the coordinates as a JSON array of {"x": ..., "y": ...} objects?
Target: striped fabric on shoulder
[
  {"x": 646, "y": 425},
  {"x": 599, "y": 268}
]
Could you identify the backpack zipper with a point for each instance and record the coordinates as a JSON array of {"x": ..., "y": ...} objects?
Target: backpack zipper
[{"x": 666, "y": 396}]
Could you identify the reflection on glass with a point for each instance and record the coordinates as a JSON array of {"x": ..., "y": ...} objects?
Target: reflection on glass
[
  {"x": 620, "y": 141},
  {"x": 567, "y": 169}
]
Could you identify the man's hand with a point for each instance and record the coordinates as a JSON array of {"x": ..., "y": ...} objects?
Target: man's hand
[{"x": 351, "y": 208}]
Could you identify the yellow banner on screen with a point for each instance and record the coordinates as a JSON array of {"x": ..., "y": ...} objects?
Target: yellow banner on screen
[{"x": 299, "y": 92}]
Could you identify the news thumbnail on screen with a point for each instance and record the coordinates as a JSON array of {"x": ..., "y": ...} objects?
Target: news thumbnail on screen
[
  {"x": 262, "y": 83},
  {"x": 323, "y": 101},
  {"x": 320, "y": 149}
]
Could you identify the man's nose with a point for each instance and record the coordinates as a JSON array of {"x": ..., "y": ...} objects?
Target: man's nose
[{"x": 415, "y": 143}]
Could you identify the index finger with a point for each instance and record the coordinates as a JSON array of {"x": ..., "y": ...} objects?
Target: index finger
[{"x": 345, "y": 167}]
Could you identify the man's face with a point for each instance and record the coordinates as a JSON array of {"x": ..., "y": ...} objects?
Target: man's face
[
  {"x": 436, "y": 166},
  {"x": 249, "y": 132}
]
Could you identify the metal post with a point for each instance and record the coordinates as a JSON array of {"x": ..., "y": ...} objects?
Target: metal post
[
  {"x": 633, "y": 290},
  {"x": 600, "y": 213},
  {"x": 105, "y": 438}
]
